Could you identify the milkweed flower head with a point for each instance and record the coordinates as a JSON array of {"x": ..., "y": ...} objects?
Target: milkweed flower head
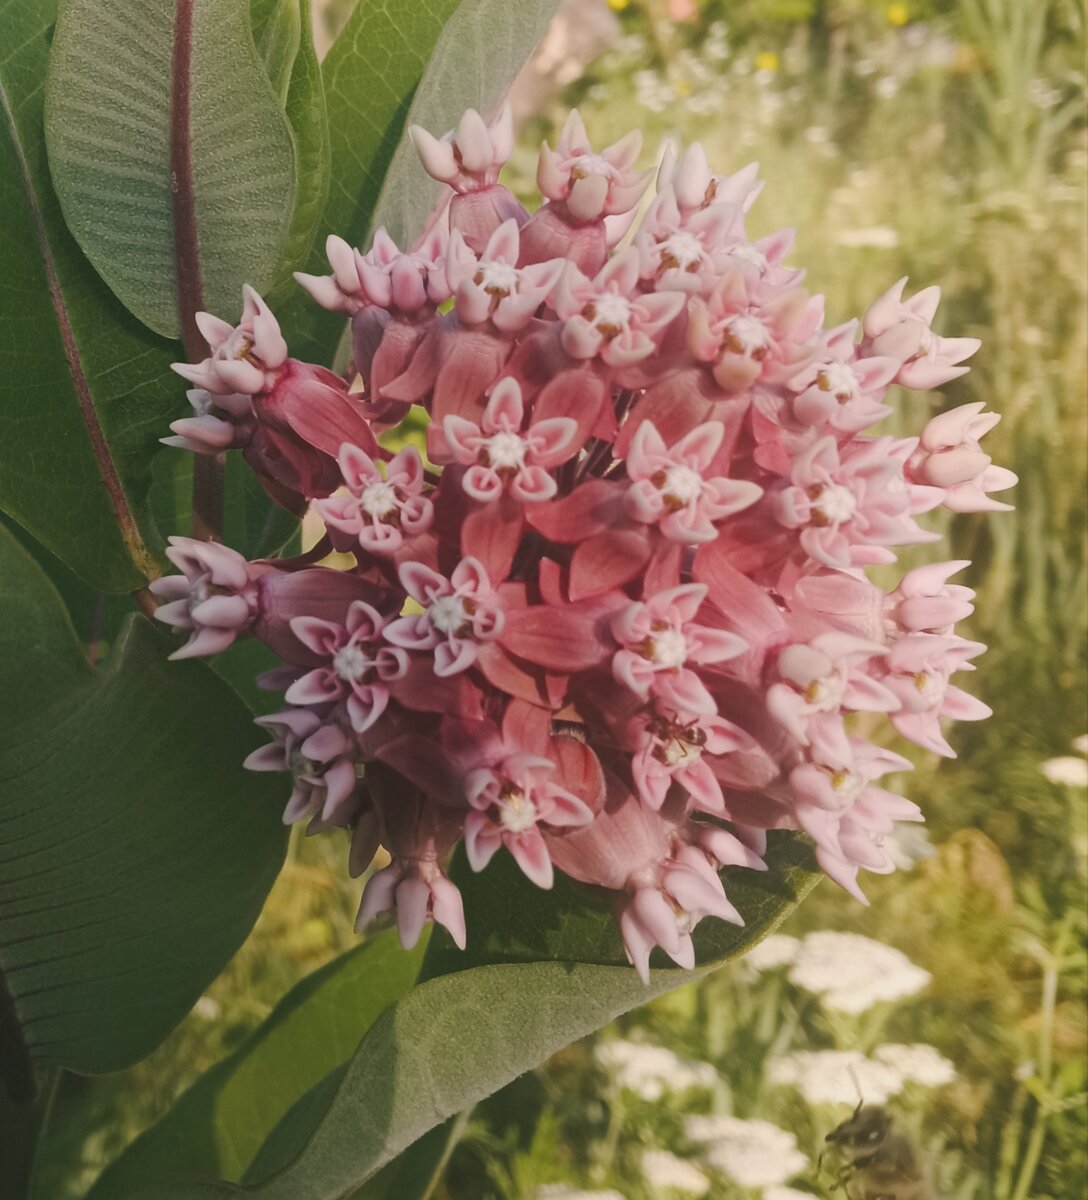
[{"x": 612, "y": 618}]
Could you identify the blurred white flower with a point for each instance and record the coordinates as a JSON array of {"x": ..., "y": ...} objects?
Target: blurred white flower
[
  {"x": 207, "y": 1008},
  {"x": 750, "y": 1153},
  {"x": 836, "y": 1076},
  {"x": 778, "y": 950},
  {"x": 1081, "y": 744},
  {"x": 917, "y": 1063},
  {"x": 1073, "y": 772},
  {"x": 871, "y": 237},
  {"x": 651, "y": 1071},
  {"x": 851, "y": 973},
  {"x": 664, "y": 1172}
]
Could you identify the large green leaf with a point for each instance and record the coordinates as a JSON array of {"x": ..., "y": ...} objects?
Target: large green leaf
[
  {"x": 171, "y": 153},
  {"x": 135, "y": 852},
  {"x": 219, "y": 1124},
  {"x": 83, "y": 385},
  {"x": 457, "y": 1038},
  {"x": 393, "y": 65}
]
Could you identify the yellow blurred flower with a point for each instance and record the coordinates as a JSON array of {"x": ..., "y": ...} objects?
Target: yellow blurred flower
[
  {"x": 767, "y": 60},
  {"x": 682, "y": 87},
  {"x": 619, "y": 5},
  {"x": 897, "y": 14}
]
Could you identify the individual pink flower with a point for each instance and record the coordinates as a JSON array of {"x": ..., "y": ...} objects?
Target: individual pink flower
[
  {"x": 826, "y": 675},
  {"x": 458, "y": 614},
  {"x": 245, "y": 358},
  {"x": 356, "y": 668},
  {"x": 919, "y": 668},
  {"x": 511, "y": 800},
  {"x": 588, "y": 184},
  {"x": 670, "y": 489},
  {"x": 671, "y": 748},
  {"x": 380, "y": 511},
  {"x": 659, "y": 638},
  {"x": 949, "y": 456},
  {"x": 838, "y": 768},
  {"x": 746, "y": 337},
  {"x": 680, "y": 252},
  {"x": 850, "y": 506},
  {"x": 499, "y": 454},
  {"x": 299, "y": 415},
  {"x": 695, "y": 186},
  {"x": 609, "y": 317},
  {"x": 418, "y": 891},
  {"x": 317, "y": 755},
  {"x": 664, "y": 904},
  {"x": 471, "y": 156},
  {"x": 491, "y": 287},
  {"x": 843, "y": 390},
  {"x": 925, "y": 602},
  {"x": 215, "y": 597},
  {"x": 901, "y": 329},
  {"x": 217, "y": 425}
]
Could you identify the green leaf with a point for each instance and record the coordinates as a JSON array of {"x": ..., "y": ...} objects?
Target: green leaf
[
  {"x": 460, "y": 1037},
  {"x": 219, "y": 1124},
  {"x": 83, "y": 385},
  {"x": 277, "y": 34},
  {"x": 171, "y": 153},
  {"x": 393, "y": 65},
  {"x": 135, "y": 852},
  {"x": 305, "y": 109}
]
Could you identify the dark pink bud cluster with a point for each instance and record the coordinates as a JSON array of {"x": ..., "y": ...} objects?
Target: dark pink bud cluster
[{"x": 613, "y": 617}]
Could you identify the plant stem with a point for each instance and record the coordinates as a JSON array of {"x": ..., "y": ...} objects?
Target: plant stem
[
  {"x": 1043, "y": 1109},
  {"x": 208, "y": 497}
]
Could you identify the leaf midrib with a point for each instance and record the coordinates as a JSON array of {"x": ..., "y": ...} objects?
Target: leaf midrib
[{"x": 140, "y": 556}]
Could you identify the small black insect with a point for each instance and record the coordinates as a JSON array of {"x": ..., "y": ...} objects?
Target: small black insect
[{"x": 874, "y": 1162}]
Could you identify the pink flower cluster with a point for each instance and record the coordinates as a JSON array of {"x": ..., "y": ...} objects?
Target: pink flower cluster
[{"x": 613, "y": 617}]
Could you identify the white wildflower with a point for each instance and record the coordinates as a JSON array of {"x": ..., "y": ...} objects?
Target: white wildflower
[
  {"x": 917, "y": 1063},
  {"x": 1073, "y": 772},
  {"x": 869, "y": 237},
  {"x": 664, "y": 1172},
  {"x": 652, "y": 1071},
  {"x": 1080, "y": 744},
  {"x": 851, "y": 973},
  {"x": 778, "y": 950},
  {"x": 836, "y": 1076},
  {"x": 750, "y": 1153}
]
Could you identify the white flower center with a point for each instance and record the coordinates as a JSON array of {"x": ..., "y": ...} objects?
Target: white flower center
[
  {"x": 350, "y": 663},
  {"x": 378, "y": 500},
  {"x": 681, "y": 250},
  {"x": 591, "y": 164},
  {"x": 613, "y": 312},
  {"x": 677, "y": 752},
  {"x": 669, "y": 649},
  {"x": 516, "y": 811},
  {"x": 847, "y": 786},
  {"x": 835, "y": 503},
  {"x": 749, "y": 254},
  {"x": 826, "y": 692},
  {"x": 447, "y": 614},
  {"x": 746, "y": 335},
  {"x": 838, "y": 379},
  {"x": 498, "y": 277},
  {"x": 683, "y": 484},
  {"x": 505, "y": 451}
]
